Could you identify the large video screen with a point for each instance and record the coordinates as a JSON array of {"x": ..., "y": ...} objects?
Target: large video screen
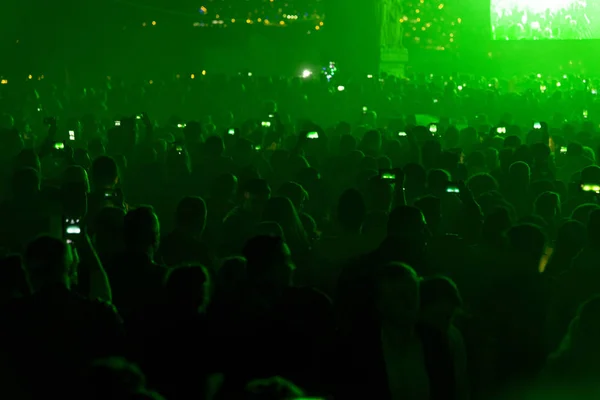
[{"x": 545, "y": 19}]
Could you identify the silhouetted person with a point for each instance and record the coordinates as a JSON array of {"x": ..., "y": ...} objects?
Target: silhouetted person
[
  {"x": 55, "y": 332},
  {"x": 185, "y": 244},
  {"x": 136, "y": 279}
]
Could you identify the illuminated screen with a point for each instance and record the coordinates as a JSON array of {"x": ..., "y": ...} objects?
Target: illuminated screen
[{"x": 545, "y": 19}]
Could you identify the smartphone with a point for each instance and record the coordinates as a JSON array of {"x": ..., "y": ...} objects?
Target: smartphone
[
  {"x": 72, "y": 228},
  {"x": 231, "y": 132},
  {"x": 585, "y": 113},
  {"x": 71, "y": 135},
  {"x": 179, "y": 149},
  {"x": 266, "y": 124},
  {"x": 181, "y": 126},
  {"x": 563, "y": 150},
  {"x": 433, "y": 128},
  {"x": 594, "y": 92},
  {"x": 257, "y": 147},
  {"x": 365, "y": 109},
  {"x": 402, "y": 134},
  {"x": 369, "y": 76},
  {"x": 590, "y": 187},
  {"x": 139, "y": 116},
  {"x": 435, "y": 101},
  {"x": 501, "y": 130},
  {"x": 271, "y": 116},
  {"x": 452, "y": 188},
  {"x": 537, "y": 125},
  {"x": 117, "y": 123},
  {"x": 108, "y": 194},
  {"x": 312, "y": 135},
  {"x": 387, "y": 175},
  {"x": 59, "y": 146}
]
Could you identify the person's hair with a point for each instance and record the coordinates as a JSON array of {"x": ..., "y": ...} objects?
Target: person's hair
[
  {"x": 351, "y": 210},
  {"x": 582, "y": 212},
  {"x": 257, "y": 187},
  {"x": 590, "y": 174},
  {"x": 47, "y": 261},
  {"x": 482, "y": 183},
  {"x": 439, "y": 289},
  {"x": 104, "y": 172},
  {"x": 13, "y": 278},
  {"x": 547, "y": 205},
  {"x": 214, "y": 146},
  {"x": 267, "y": 260},
  {"x": 191, "y": 214},
  {"x": 594, "y": 227},
  {"x": 113, "y": 378},
  {"x": 512, "y": 142},
  {"x": 142, "y": 229},
  {"x": 28, "y": 158},
  {"x": 405, "y": 220},
  {"x": 188, "y": 286},
  {"x": 25, "y": 182},
  {"x": 282, "y": 211},
  {"x": 574, "y": 150},
  {"x": 295, "y": 192},
  {"x": 276, "y": 388},
  {"x": 527, "y": 240},
  {"x": 224, "y": 186},
  {"x": 77, "y": 176},
  {"x": 437, "y": 180},
  {"x": 231, "y": 275}
]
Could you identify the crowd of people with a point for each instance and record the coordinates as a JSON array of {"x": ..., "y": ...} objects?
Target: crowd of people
[
  {"x": 265, "y": 238},
  {"x": 565, "y": 20}
]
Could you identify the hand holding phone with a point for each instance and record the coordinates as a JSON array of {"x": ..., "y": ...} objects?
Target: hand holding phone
[
  {"x": 312, "y": 135},
  {"x": 537, "y": 125},
  {"x": 433, "y": 128},
  {"x": 72, "y": 229}
]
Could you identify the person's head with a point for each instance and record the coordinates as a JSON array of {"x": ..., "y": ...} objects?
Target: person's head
[
  {"x": 371, "y": 142},
  {"x": 437, "y": 181},
  {"x": 25, "y": 183},
  {"x": 107, "y": 228},
  {"x": 407, "y": 221},
  {"x": 295, "y": 192},
  {"x": 231, "y": 276},
  {"x": 351, "y": 211},
  {"x": 256, "y": 194},
  {"x": 142, "y": 230},
  {"x": 105, "y": 173},
  {"x": 224, "y": 187},
  {"x": 396, "y": 295},
  {"x": 214, "y": 146},
  {"x": 547, "y": 206},
  {"x": 591, "y": 174},
  {"x": 594, "y": 228},
  {"x": 178, "y": 162},
  {"x": 275, "y": 388},
  {"x": 528, "y": 243},
  {"x": 571, "y": 238},
  {"x": 76, "y": 176},
  {"x": 495, "y": 225},
  {"x": 347, "y": 144},
  {"x": 28, "y": 158},
  {"x": 574, "y": 150},
  {"x": 188, "y": 288},
  {"x": 519, "y": 173},
  {"x": 13, "y": 278},
  {"x": 440, "y": 299},
  {"x": 512, "y": 142},
  {"x": 482, "y": 183},
  {"x": 82, "y": 158},
  {"x": 49, "y": 261},
  {"x": 190, "y": 216},
  {"x": 192, "y": 133},
  {"x": 379, "y": 194},
  {"x": 113, "y": 378},
  {"x": 269, "y": 262},
  {"x": 282, "y": 211}
]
